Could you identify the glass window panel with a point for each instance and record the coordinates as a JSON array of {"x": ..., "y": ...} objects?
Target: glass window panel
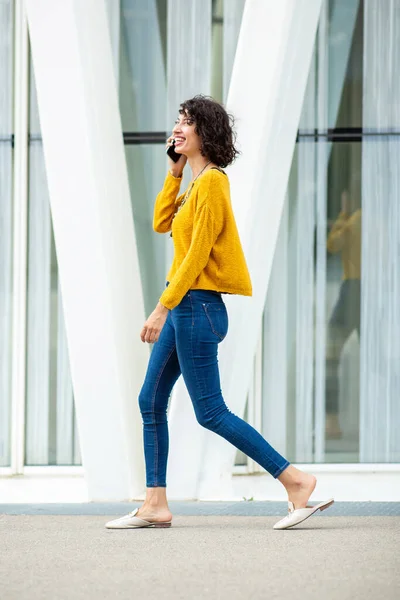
[
  {"x": 343, "y": 303},
  {"x": 6, "y": 88},
  {"x": 147, "y": 169},
  {"x": 333, "y": 350},
  {"x": 345, "y": 57},
  {"x": 50, "y": 436},
  {"x": 142, "y": 66},
  {"x": 226, "y": 21},
  {"x": 380, "y": 342},
  {"x": 217, "y": 50},
  {"x": 233, "y": 13}
]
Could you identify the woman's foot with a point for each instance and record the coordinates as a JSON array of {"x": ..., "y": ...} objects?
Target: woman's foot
[
  {"x": 299, "y": 486},
  {"x": 154, "y": 514},
  {"x": 300, "y": 492},
  {"x": 155, "y": 506},
  {"x": 153, "y": 510},
  {"x": 133, "y": 521}
]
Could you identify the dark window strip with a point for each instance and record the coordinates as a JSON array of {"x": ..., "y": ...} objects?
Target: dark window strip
[
  {"x": 339, "y": 134},
  {"x": 145, "y": 137},
  {"x": 141, "y": 137},
  {"x": 156, "y": 137},
  {"x": 345, "y": 134}
]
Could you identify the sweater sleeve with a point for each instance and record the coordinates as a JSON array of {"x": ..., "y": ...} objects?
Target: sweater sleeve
[
  {"x": 344, "y": 225},
  {"x": 166, "y": 204},
  {"x": 336, "y": 235}
]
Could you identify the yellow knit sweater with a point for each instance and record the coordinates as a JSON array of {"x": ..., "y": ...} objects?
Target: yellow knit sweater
[
  {"x": 207, "y": 251},
  {"x": 345, "y": 237}
]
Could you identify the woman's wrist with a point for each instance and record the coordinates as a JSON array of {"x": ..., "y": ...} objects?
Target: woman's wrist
[
  {"x": 161, "y": 308},
  {"x": 176, "y": 173}
]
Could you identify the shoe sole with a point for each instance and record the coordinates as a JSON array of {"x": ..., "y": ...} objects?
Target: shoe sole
[
  {"x": 152, "y": 525},
  {"x": 321, "y": 508}
]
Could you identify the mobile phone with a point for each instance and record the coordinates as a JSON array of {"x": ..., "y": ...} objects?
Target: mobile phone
[{"x": 172, "y": 154}]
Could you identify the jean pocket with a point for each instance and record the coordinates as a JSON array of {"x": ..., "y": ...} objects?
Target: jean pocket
[{"x": 217, "y": 316}]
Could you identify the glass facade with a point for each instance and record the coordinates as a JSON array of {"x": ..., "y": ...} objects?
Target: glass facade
[
  {"x": 50, "y": 425},
  {"x": 6, "y": 227},
  {"x": 142, "y": 92},
  {"x": 331, "y": 326},
  {"x": 326, "y": 376}
]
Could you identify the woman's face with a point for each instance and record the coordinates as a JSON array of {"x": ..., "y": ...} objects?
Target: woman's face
[{"x": 187, "y": 141}]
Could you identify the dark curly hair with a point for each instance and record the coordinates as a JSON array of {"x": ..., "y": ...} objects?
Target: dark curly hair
[{"x": 215, "y": 128}]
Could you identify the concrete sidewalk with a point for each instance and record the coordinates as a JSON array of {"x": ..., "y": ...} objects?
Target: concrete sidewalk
[{"x": 216, "y": 556}]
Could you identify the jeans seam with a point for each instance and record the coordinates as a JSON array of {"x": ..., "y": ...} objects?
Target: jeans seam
[
  {"x": 153, "y": 400},
  {"x": 191, "y": 306},
  {"x": 191, "y": 348}
]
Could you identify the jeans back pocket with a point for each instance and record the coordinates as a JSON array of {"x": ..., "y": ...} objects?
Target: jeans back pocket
[{"x": 217, "y": 316}]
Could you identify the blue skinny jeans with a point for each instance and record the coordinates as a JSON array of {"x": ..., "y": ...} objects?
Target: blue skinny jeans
[{"x": 188, "y": 345}]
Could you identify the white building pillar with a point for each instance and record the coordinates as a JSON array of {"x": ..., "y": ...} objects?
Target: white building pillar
[
  {"x": 266, "y": 94},
  {"x": 94, "y": 237}
]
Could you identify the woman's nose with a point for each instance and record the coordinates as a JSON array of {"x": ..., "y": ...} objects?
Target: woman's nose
[{"x": 176, "y": 128}]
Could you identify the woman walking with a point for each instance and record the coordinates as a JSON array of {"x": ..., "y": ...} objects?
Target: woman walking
[{"x": 190, "y": 319}]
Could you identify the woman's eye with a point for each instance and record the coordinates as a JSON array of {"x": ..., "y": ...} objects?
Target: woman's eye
[{"x": 184, "y": 122}]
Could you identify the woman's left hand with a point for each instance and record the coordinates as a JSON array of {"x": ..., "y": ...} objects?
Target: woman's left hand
[{"x": 154, "y": 324}]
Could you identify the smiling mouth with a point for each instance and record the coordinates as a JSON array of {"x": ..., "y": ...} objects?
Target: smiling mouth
[{"x": 179, "y": 141}]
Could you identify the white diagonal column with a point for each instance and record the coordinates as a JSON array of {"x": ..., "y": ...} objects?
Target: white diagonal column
[
  {"x": 94, "y": 236},
  {"x": 266, "y": 94}
]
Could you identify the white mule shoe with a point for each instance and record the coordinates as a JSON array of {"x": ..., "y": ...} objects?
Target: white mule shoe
[
  {"x": 131, "y": 522},
  {"x": 299, "y": 515}
]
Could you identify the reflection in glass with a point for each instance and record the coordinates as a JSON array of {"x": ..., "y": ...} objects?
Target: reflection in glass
[
  {"x": 312, "y": 315},
  {"x": 331, "y": 321},
  {"x": 343, "y": 243},
  {"x": 344, "y": 239}
]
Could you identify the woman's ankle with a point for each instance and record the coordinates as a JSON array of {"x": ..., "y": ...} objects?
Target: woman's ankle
[
  {"x": 156, "y": 498},
  {"x": 292, "y": 477}
]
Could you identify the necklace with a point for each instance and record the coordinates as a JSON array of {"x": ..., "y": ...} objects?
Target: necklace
[{"x": 188, "y": 194}]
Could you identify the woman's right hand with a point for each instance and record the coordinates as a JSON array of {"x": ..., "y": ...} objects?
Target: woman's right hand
[{"x": 176, "y": 168}]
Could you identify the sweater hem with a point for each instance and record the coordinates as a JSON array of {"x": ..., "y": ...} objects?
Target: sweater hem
[{"x": 223, "y": 289}]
